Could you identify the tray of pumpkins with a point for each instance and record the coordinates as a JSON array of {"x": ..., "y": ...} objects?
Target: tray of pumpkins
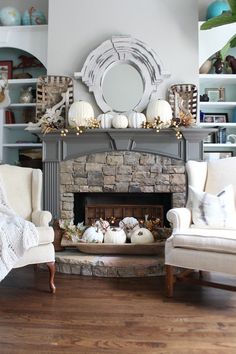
[{"x": 128, "y": 238}]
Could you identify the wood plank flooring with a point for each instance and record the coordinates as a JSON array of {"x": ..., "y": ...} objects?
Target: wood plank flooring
[{"x": 115, "y": 315}]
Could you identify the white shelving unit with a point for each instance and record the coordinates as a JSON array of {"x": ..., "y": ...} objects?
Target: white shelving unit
[
  {"x": 210, "y": 42},
  {"x": 14, "y": 137}
]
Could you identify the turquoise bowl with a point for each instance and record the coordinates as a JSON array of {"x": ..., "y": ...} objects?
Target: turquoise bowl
[{"x": 217, "y": 8}]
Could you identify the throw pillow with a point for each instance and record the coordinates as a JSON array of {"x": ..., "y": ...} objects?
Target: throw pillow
[{"x": 215, "y": 211}]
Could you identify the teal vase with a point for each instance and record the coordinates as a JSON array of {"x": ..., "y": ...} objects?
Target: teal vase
[
  {"x": 217, "y": 8},
  {"x": 33, "y": 16}
]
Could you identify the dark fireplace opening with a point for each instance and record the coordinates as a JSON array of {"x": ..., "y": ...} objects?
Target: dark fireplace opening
[{"x": 92, "y": 206}]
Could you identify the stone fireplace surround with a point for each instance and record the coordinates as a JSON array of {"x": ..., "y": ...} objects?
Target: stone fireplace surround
[{"x": 120, "y": 172}]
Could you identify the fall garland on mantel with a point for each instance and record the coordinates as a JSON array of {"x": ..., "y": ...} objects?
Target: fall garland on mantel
[{"x": 157, "y": 125}]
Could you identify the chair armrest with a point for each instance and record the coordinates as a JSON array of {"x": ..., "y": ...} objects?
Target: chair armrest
[
  {"x": 180, "y": 218},
  {"x": 41, "y": 217}
]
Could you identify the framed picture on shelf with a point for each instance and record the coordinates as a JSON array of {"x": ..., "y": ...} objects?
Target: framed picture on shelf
[
  {"x": 216, "y": 155},
  {"x": 215, "y": 118},
  {"x": 6, "y": 67},
  {"x": 215, "y": 94}
]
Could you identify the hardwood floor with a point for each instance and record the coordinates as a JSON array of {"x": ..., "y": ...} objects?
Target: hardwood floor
[{"x": 116, "y": 315}]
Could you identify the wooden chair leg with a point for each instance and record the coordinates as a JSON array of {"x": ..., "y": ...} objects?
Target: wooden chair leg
[
  {"x": 169, "y": 280},
  {"x": 52, "y": 270}
]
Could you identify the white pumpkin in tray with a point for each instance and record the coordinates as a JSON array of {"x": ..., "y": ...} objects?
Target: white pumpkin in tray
[
  {"x": 142, "y": 235},
  {"x": 102, "y": 225},
  {"x": 93, "y": 234},
  {"x": 129, "y": 225},
  {"x": 115, "y": 235}
]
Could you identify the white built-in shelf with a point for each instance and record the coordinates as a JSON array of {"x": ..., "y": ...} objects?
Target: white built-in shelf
[
  {"x": 219, "y": 79},
  {"x": 22, "y": 81},
  {"x": 22, "y": 105},
  {"x": 17, "y": 145},
  {"x": 208, "y": 125},
  {"x": 215, "y": 145},
  {"x": 31, "y": 39},
  {"x": 217, "y": 105}
]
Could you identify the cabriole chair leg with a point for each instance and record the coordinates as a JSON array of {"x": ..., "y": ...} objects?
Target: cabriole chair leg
[
  {"x": 52, "y": 270},
  {"x": 169, "y": 280}
]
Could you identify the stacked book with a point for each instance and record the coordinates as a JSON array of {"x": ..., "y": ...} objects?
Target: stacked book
[{"x": 221, "y": 136}]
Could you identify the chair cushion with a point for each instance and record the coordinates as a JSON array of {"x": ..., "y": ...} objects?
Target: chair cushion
[
  {"x": 215, "y": 211},
  {"x": 206, "y": 239},
  {"x": 46, "y": 234}
]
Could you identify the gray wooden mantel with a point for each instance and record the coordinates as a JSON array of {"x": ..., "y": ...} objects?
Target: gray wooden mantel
[{"x": 57, "y": 148}]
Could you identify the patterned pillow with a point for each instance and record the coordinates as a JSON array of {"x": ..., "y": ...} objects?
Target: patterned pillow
[{"x": 215, "y": 211}]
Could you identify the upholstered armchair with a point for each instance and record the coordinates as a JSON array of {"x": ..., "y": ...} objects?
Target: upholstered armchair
[
  {"x": 204, "y": 233},
  {"x": 23, "y": 189}
]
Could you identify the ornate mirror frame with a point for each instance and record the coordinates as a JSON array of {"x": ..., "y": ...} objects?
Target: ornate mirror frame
[{"x": 124, "y": 49}]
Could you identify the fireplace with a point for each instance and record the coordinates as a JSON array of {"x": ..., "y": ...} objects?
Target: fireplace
[
  {"x": 117, "y": 161},
  {"x": 116, "y": 182}
]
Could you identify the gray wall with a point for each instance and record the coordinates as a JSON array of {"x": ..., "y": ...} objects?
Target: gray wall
[{"x": 169, "y": 27}]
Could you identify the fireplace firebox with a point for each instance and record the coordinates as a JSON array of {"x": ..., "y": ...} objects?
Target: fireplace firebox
[{"x": 89, "y": 207}]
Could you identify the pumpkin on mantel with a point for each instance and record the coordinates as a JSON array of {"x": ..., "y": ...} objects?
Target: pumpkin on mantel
[
  {"x": 136, "y": 119},
  {"x": 159, "y": 108},
  {"x": 105, "y": 120},
  {"x": 115, "y": 235},
  {"x": 120, "y": 121},
  {"x": 80, "y": 113}
]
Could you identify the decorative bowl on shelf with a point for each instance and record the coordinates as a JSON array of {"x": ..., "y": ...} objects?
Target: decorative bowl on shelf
[{"x": 10, "y": 16}]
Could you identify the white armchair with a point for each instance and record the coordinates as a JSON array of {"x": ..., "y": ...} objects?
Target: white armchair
[
  {"x": 204, "y": 233},
  {"x": 23, "y": 188}
]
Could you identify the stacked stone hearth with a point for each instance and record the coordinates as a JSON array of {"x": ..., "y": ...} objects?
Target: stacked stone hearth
[{"x": 121, "y": 172}]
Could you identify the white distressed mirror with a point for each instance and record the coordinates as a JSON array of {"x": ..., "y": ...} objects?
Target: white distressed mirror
[{"x": 123, "y": 73}]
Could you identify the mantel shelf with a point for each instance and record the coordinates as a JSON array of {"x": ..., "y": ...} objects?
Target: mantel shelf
[{"x": 165, "y": 143}]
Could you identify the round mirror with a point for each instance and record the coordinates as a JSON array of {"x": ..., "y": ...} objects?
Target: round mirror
[
  {"x": 122, "y": 87},
  {"x": 123, "y": 73}
]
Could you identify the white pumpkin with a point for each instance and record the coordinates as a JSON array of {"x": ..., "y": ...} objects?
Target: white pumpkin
[
  {"x": 80, "y": 113},
  {"x": 142, "y": 235},
  {"x": 102, "y": 225},
  {"x": 105, "y": 120},
  {"x": 129, "y": 224},
  {"x": 93, "y": 234},
  {"x": 136, "y": 120},
  {"x": 161, "y": 109},
  {"x": 120, "y": 121},
  {"x": 115, "y": 235}
]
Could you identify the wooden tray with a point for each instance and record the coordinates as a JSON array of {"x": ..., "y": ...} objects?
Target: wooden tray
[{"x": 155, "y": 248}]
